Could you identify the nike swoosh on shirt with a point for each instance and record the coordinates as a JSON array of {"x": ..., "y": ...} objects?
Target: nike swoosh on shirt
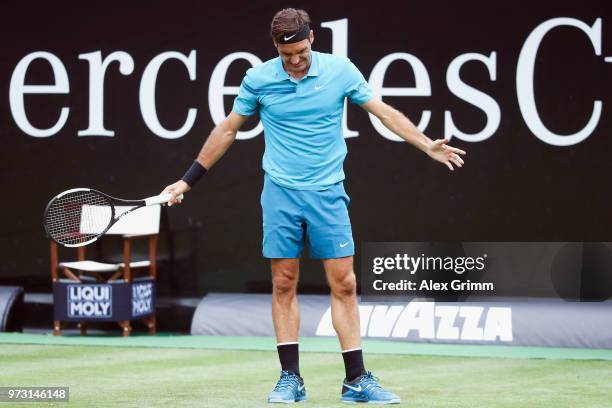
[
  {"x": 290, "y": 37},
  {"x": 343, "y": 245}
]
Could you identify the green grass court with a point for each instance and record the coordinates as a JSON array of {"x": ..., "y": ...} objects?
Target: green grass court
[{"x": 194, "y": 371}]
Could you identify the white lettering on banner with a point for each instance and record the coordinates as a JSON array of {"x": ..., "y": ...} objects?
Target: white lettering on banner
[
  {"x": 430, "y": 321},
  {"x": 17, "y": 89},
  {"x": 418, "y": 316},
  {"x": 142, "y": 296},
  {"x": 525, "y": 88},
  {"x": 142, "y": 290},
  {"x": 422, "y": 87},
  {"x": 217, "y": 90},
  {"x": 339, "y": 30},
  {"x": 89, "y": 293},
  {"x": 498, "y": 324},
  {"x": 471, "y": 316},
  {"x": 446, "y": 328},
  {"x": 89, "y": 301},
  {"x": 382, "y": 320},
  {"x": 97, "y": 70},
  {"x": 473, "y": 96},
  {"x": 326, "y": 328},
  {"x": 147, "y": 94},
  {"x": 89, "y": 309},
  {"x": 141, "y": 306}
]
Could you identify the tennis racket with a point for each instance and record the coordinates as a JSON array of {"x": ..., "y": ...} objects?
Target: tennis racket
[{"x": 80, "y": 216}]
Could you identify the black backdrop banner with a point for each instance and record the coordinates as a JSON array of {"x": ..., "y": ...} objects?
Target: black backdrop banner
[{"x": 120, "y": 97}]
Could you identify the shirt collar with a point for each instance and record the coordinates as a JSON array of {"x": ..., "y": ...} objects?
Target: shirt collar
[
  {"x": 280, "y": 71},
  {"x": 314, "y": 65}
]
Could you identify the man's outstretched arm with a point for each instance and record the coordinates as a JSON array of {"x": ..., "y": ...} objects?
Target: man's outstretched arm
[
  {"x": 399, "y": 124},
  {"x": 217, "y": 143}
]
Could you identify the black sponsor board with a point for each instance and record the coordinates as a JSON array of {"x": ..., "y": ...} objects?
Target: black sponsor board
[
  {"x": 111, "y": 302},
  {"x": 454, "y": 65}
]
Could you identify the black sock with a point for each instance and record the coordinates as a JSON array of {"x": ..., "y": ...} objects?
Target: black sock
[
  {"x": 353, "y": 363},
  {"x": 289, "y": 357}
]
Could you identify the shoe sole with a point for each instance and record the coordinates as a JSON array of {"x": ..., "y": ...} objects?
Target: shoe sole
[
  {"x": 280, "y": 401},
  {"x": 355, "y": 401}
]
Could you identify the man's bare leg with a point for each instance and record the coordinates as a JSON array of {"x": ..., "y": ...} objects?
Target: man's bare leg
[
  {"x": 286, "y": 319},
  {"x": 285, "y": 309},
  {"x": 345, "y": 312}
]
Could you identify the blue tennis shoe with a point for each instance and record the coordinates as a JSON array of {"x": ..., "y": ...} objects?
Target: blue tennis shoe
[
  {"x": 365, "y": 388},
  {"x": 289, "y": 389}
]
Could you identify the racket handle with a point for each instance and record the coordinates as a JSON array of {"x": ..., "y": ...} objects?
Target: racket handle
[{"x": 161, "y": 199}]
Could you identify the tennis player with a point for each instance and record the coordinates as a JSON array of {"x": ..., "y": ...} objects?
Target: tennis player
[{"x": 300, "y": 99}]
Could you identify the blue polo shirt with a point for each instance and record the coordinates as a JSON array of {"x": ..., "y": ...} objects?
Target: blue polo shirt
[{"x": 302, "y": 119}]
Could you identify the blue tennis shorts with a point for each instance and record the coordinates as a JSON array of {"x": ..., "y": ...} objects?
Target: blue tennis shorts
[{"x": 292, "y": 217}]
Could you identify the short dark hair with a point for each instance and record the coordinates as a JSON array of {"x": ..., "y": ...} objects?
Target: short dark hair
[{"x": 288, "y": 21}]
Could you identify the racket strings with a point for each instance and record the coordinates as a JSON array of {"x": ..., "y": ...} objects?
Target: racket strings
[{"x": 78, "y": 217}]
